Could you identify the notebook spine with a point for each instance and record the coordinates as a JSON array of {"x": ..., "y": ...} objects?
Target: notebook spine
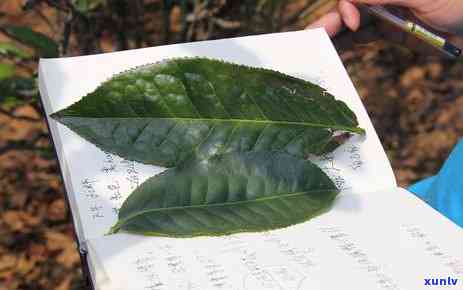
[{"x": 81, "y": 248}]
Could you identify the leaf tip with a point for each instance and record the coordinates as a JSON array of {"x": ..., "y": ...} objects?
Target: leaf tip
[
  {"x": 58, "y": 116},
  {"x": 55, "y": 116}
]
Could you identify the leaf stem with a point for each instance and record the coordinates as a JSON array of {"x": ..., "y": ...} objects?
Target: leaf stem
[{"x": 114, "y": 229}]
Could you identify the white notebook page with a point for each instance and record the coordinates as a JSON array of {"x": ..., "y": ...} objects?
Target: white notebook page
[
  {"x": 383, "y": 240},
  {"x": 98, "y": 182}
]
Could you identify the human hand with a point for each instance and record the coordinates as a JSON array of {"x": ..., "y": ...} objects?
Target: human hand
[{"x": 443, "y": 15}]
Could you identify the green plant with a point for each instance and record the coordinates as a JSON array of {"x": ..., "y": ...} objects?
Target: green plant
[
  {"x": 236, "y": 139},
  {"x": 18, "y": 78}
]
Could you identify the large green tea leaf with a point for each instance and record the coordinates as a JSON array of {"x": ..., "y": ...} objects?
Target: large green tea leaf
[
  {"x": 164, "y": 113},
  {"x": 233, "y": 192}
]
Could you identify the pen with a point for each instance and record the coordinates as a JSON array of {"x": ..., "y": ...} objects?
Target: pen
[{"x": 413, "y": 28}]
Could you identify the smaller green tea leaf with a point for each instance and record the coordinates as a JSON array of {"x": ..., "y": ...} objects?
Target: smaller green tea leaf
[
  {"x": 45, "y": 46},
  {"x": 228, "y": 193}
]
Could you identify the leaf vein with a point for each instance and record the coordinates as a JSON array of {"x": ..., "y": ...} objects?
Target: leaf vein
[
  {"x": 259, "y": 136},
  {"x": 141, "y": 132},
  {"x": 206, "y": 206},
  {"x": 257, "y": 105},
  {"x": 166, "y": 104},
  {"x": 167, "y": 135}
]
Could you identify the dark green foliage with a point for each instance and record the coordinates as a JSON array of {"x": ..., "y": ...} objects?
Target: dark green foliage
[
  {"x": 7, "y": 70},
  {"x": 9, "y": 49},
  {"x": 45, "y": 46},
  {"x": 15, "y": 90}
]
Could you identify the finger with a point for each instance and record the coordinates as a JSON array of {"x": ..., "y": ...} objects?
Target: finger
[
  {"x": 331, "y": 21},
  {"x": 350, "y": 14},
  {"x": 404, "y": 3}
]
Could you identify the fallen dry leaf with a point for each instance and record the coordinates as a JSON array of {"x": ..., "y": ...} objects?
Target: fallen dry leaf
[
  {"x": 57, "y": 210},
  {"x": 7, "y": 262}
]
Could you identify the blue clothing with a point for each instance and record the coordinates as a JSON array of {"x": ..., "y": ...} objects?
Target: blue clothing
[{"x": 444, "y": 192}]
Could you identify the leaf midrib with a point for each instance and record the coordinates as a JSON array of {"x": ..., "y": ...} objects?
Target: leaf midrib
[
  {"x": 305, "y": 124},
  {"x": 121, "y": 222}
]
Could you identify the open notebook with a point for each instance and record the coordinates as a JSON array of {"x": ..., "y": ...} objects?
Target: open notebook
[{"x": 377, "y": 236}]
